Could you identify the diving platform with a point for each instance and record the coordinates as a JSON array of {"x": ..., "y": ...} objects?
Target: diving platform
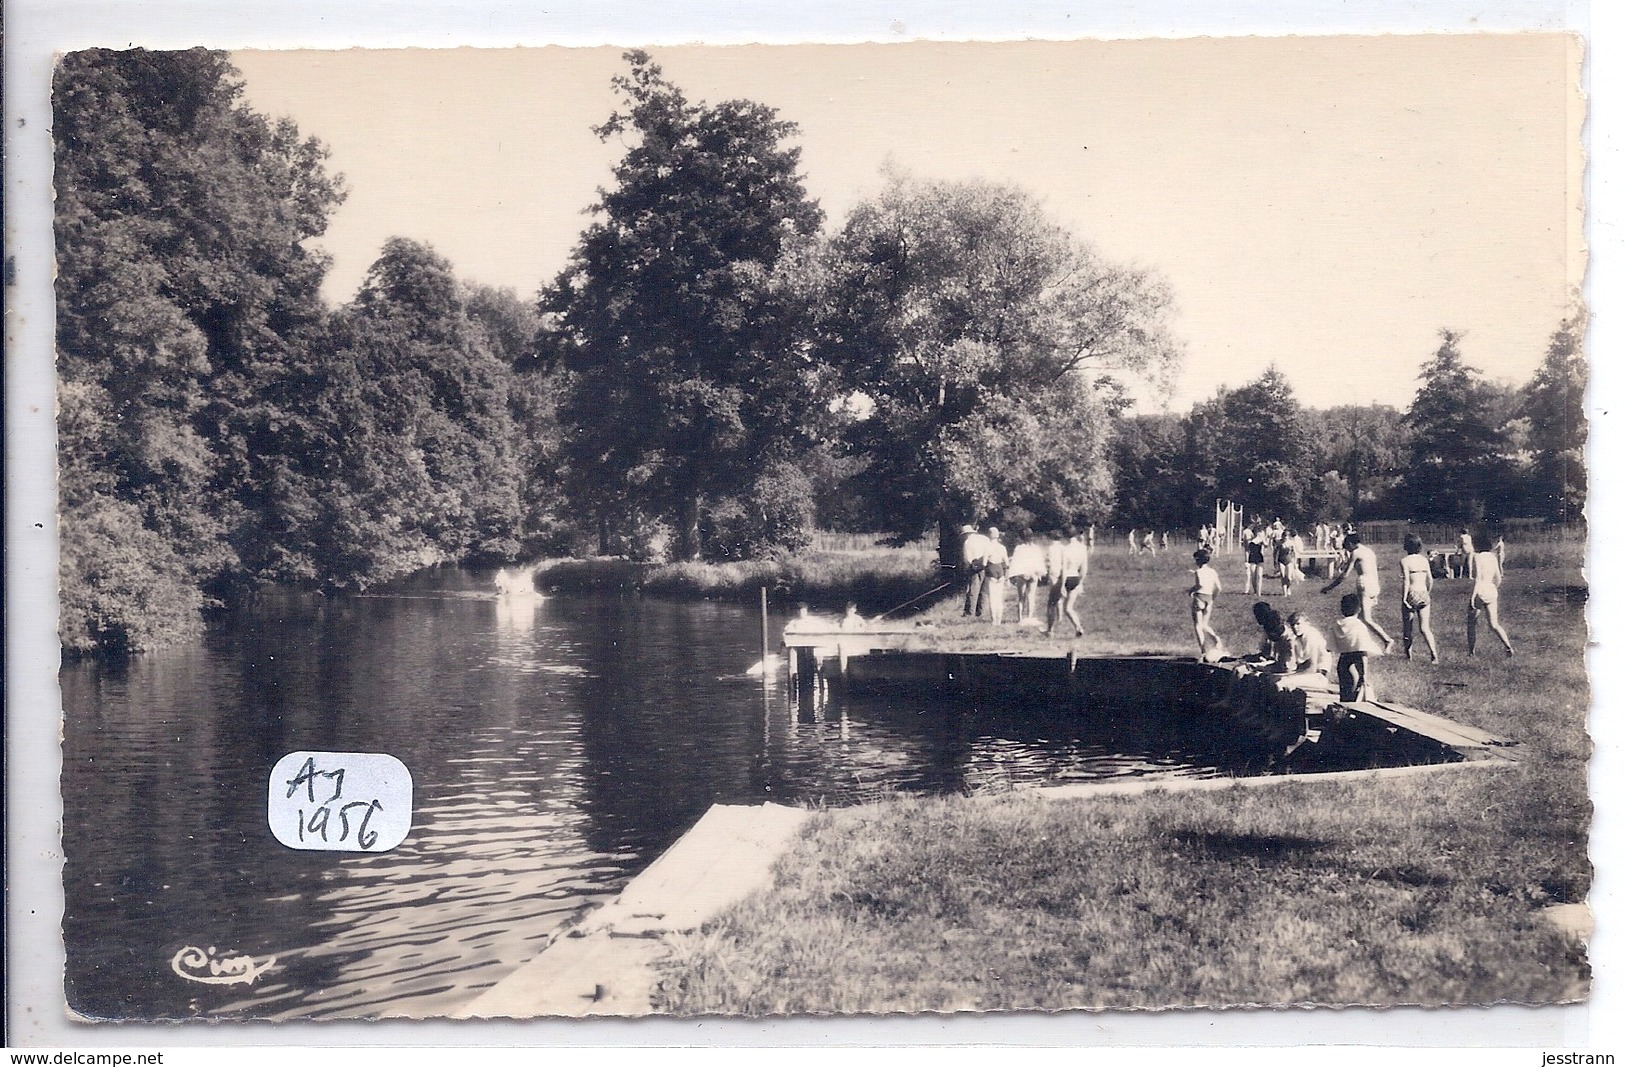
[{"x": 1256, "y": 715}]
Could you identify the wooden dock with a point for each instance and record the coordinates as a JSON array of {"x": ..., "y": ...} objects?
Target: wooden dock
[
  {"x": 1250, "y": 711},
  {"x": 606, "y": 964}
]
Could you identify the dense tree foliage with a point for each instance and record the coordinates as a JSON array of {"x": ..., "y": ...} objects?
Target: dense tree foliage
[
  {"x": 709, "y": 372},
  {"x": 1153, "y": 473},
  {"x": 1365, "y": 448},
  {"x": 186, "y": 292},
  {"x": 417, "y": 460},
  {"x": 1267, "y": 457},
  {"x": 975, "y": 330},
  {"x": 1457, "y": 471},
  {"x": 682, "y": 390},
  {"x": 1554, "y": 404}
]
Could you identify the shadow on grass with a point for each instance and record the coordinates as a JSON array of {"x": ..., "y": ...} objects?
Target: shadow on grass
[
  {"x": 1264, "y": 847},
  {"x": 1292, "y": 849}
]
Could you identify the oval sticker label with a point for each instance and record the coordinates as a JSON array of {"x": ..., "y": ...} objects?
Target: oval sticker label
[{"x": 340, "y": 801}]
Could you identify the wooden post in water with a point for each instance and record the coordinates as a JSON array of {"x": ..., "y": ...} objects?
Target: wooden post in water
[{"x": 764, "y": 633}]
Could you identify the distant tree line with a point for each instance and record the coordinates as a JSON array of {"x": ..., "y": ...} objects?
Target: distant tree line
[
  {"x": 712, "y": 374},
  {"x": 1466, "y": 449}
]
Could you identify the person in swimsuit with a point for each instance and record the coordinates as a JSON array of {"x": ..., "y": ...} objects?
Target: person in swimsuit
[
  {"x": 1286, "y": 557},
  {"x": 1055, "y": 571},
  {"x": 1075, "y": 567},
  {"x": 1255, "y": 562},
  {"x": 1207, "y": 587},
  {"x": 1416, "y": 579},
  {"x": 1362, "y": 562},
  {"x": 1464, "y": 553},
  {"x": 1312, "y": 660},
  {"x": 1485, "y": 570},
  {"x": 1026, "y": 568}
]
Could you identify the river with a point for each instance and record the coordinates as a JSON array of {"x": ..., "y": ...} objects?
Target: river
[{"x": 556, "y": 745}]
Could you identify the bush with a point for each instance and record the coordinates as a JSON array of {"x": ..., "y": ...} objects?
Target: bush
[
  {"x": 123, "y": 588},
  {"x": 776, "y": 517}
]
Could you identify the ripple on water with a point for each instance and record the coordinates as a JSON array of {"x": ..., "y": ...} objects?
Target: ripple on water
[{"x": 546, "y": 775}]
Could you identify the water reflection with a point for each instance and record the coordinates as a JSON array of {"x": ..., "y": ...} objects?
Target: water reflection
[{"x": 557, "y": 746}]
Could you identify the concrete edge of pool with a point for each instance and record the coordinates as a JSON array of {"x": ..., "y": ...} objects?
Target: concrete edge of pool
[{"x": 606, "y": 965}]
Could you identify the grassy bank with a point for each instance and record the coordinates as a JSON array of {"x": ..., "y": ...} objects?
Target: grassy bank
[
  {"x": 1421, "y": 890},
  {"x": 834, "y": 570}
]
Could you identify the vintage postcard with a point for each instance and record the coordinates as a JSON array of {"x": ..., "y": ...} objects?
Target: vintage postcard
[{"x": 847, "y": 529}]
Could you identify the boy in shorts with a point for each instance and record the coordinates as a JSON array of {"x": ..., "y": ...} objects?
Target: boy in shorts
[{"x": 1353, "y": 641}]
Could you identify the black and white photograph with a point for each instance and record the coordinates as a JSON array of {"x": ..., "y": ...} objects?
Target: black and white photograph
[{"x": 827, "y": 529}]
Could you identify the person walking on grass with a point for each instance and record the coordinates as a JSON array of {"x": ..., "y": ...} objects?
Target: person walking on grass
[
  {"x": 1254, "y": 548},
  {"x": 1203, "y": 593},
  {"x": 1362, "y": 562},
  {"x": 1286, "y": 558},
  {"x": 1416, "y": 579},
  {"x": 1464, "y": 553},
  {"x": 1055, "y": 574},
  {"x": 995, "y": 568},
  {"x": 1485, "y": 570},
  {"x": 973, "y": 554},
  {"x": 1353, "y": 641},
  {"x": 1026, "y": 569},
  {"x": 1151, "y": 544},
  {"x": 1075, "y": 568}
]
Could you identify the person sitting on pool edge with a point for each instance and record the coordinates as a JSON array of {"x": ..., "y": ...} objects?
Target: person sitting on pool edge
[
  {"x": 1274, "y": 654},
  {"x": 1312, "y": 662}
]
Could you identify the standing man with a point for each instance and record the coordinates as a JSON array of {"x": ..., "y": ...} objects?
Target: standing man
[
  {"x": 1026, "y": 569},
  {"x": 1055, "y": 558},
  {"x": 1074, "y": 567},
  {"x": 973, "y": 554},
  {"x": 1465, "y": 551},
  {"x": 1363, "y": 562}
]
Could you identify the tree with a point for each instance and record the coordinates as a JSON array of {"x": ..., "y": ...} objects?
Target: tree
[
  {"x": 414, "y": 462},
  {"x": 975, "y": 329},
  {"x": 1554, "y": 404},
  {"x": 1253, "y": 445},
  {"x": 1151, "y": 472},
  {"x": 508, "y": 327},
  {"x": 185, "y": 294},
  {"x": 682, "y": 386},
  {"x": 1366, "y": 446},
  {"x": 1457, "y": 470}
]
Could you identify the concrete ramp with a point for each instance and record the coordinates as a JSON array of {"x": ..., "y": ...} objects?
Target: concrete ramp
[{"x": 605, "y": 965}]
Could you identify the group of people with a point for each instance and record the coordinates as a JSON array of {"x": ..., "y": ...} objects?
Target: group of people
[
  {"x": 1143, "y": 541},
  {"x": 1274, "y": 545},
  {"x": 991, "y": 570},
  {"x": 1294, "y": 648}
]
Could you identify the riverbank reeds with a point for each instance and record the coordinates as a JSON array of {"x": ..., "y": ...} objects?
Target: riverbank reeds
[
  {"x": 1425, "y": 889},
  {"x": 834, "y": 570}
]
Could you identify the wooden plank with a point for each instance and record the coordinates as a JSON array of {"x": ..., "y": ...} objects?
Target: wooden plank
[
  {"x": 1465, "y": 739},
  {"x": 606, "y": 964}
]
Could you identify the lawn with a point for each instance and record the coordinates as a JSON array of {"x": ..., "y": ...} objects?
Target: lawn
[{"x": 1429, "y": 889}]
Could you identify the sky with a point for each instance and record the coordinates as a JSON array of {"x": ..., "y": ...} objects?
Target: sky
[{"x": 1321, "y": 204}]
